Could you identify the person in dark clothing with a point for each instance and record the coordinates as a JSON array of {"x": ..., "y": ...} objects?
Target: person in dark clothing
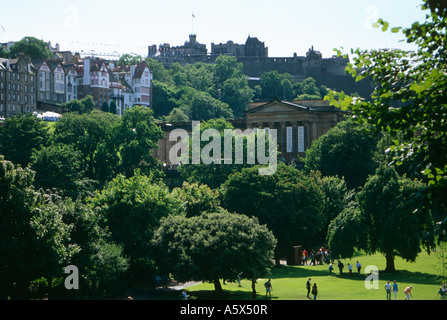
[
  {"x": 340, "y": 267},
  {"x": 308, "y": 285}
]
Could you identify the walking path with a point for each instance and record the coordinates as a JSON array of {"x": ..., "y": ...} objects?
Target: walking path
[{"x": 149, "y": 295}]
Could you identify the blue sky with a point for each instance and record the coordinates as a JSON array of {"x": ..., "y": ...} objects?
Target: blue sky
[{"x": 286, "y": 26}]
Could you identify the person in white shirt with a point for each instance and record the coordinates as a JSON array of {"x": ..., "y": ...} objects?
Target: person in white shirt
[{"x": 388, "y": 290}]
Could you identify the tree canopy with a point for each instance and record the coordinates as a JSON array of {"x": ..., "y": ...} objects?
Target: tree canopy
[
  {"x": 345, "y": 151},
  {"x": 289, "y": 202},
  {"x": 389, "y": 218},
  {"x": 214, "y": 246},
  {"x": 31, "y": 46},
  {"x": 409, "y": 98}
]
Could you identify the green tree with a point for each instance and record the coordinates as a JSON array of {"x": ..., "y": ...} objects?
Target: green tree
[
  {"x": 393, "y": 220},
  {"x": 33, "y": 47},
  {"x": 100, "y": 261},
  {"x": 226, "y": 68},
  {"x": 409, "y": 98},
  {"x": 289, "y": 202},
  {"x": 233, "y": 243},
  {"x": 131, "y": 209},
  {"x": 20, "y": 135},
  {"x": 86, "y": 105},
  {"x": 4, "y": 53},
  {"x": 237, "y": 94},
  {"x": 34, "y": 240},
  {"x": 308, "y": 89},
  {"x": 105, "y": 107},
  {"x": 58, "y": 166},
  {"x": 112, "y": 107},
  {"x": 92, "y": 134},
  {"x": 232, "y": 84},
  {"x": 336, "y": 194},
  {"x": 160, "y": 73},
  {"x": 214, "y": 173},
  {"x": 137, "y": 136},
  {"x": 346, "y": 232},
  {"x": 345, "y": 151},
  {"x": 197, "y": 199},
  {"x": 129, "y": 59},
  {"x": 204, "y": 107},
  {"x": 274, "y": 84},
  {"x": 163, "y": 101},
  {"x": 176, "y": 115}
]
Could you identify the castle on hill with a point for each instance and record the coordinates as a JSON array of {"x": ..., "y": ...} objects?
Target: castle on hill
[{"x": 329, "y": 72}]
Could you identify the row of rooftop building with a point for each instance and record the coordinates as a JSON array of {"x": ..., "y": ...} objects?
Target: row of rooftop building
[{"x": 32, "y": 85}]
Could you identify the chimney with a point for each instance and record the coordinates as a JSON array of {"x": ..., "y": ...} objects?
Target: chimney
[{"x": 87, "y": 71}]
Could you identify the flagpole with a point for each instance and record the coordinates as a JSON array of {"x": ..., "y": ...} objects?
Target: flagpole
[{"x": 192, "y": 23}]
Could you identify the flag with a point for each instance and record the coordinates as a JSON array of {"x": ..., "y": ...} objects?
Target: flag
[{"x": 193, "y": 15}]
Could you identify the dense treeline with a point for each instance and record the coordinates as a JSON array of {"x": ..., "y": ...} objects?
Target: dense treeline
[
  {"x": 209, "y": 91},
  {"x": 89, "y": 193}
]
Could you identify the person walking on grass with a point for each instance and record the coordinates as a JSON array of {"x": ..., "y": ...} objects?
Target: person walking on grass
[
  {"x": 315, "y": 291},
  {"x": 395, "y": 289},
  {"x": 308, "y": 287},
  {"x": 388, "y": 290},
  {"x": 268, "y": 289},
  {"x": 340, "y": 267}
]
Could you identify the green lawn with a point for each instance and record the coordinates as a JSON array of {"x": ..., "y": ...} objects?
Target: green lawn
[
  {"x": 50, "y": 125},
  {"x": 289, "y": 282}
]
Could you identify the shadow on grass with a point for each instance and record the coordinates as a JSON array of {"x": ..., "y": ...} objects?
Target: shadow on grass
[
  {"x": 399, "y": 275},
  {"x": 410, "y": 277},
  {"x": 292, "y": 272}
]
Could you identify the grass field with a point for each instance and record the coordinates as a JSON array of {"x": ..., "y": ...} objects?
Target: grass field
[
  {"x": 50, "y": 125},
  {"x": 289, "y": 282}
]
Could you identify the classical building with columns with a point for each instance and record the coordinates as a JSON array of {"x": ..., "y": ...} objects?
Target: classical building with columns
[{"x": 297, "y": 123}]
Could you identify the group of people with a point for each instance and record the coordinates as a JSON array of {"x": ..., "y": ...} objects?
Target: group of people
[
  {"x": 395, "y": 288},
  {"x": 341, "y": 266},
  {"x": 311, "y": 289},
  {"x": 315, "y": 257}
]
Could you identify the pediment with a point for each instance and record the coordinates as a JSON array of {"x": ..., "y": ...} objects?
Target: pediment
[{"x": 277, "y": 106}]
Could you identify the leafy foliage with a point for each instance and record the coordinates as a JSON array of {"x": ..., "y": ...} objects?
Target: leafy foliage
[
  {"x": 31, "y": 46},
  {"x": 409, "y": 99},
  {"x": 20, "y": 135},
  {"x": 131, "y": 209},
  {"x": 346, "y": 151},
  {"x": 233, "y": 243},
  {"x": 289, "y": 202}
]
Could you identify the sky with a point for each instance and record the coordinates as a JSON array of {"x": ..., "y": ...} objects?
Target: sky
[{"x": 285, "y": 26}]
